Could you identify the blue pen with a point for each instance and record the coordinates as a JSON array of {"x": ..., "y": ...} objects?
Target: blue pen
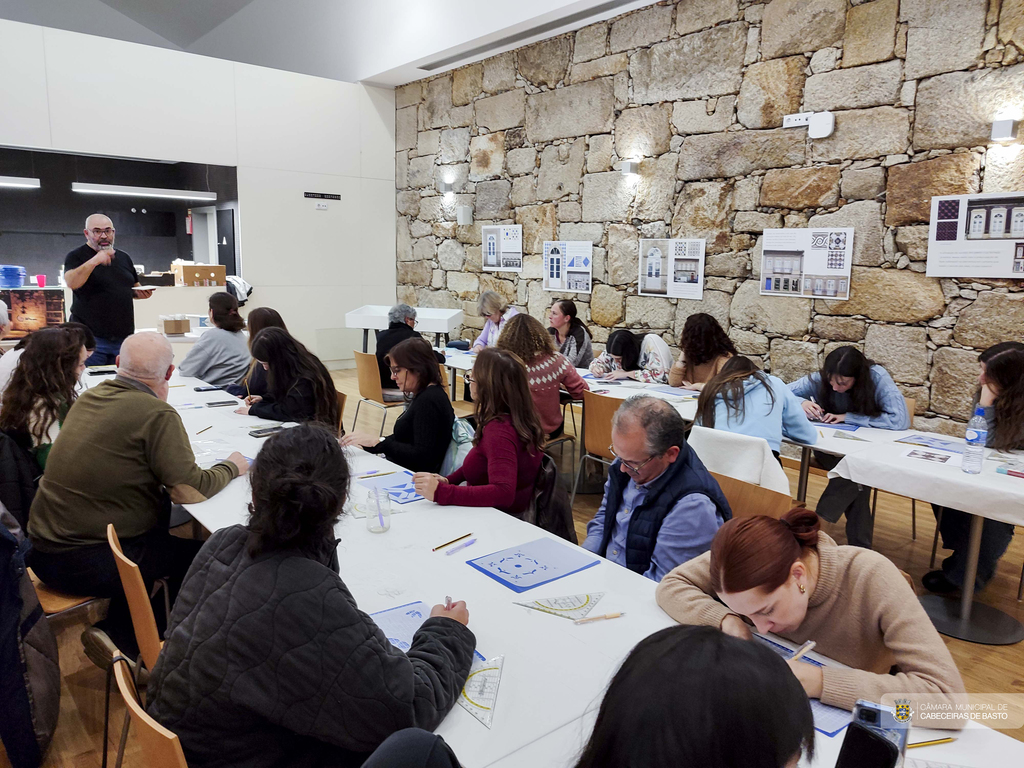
[{"x": 463, "y": 545}]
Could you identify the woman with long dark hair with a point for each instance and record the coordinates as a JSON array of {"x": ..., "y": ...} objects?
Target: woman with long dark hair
[
  {"x": 299, "y": 388},
  {"x": 501, "y": 469},
  {"x": 423, "y": 432},
  {"x": 629, "y": 356},
  {"x": 221, "y": 354},
  {"x": 704, "y": 346},
  {"x": 547, "y": 371},
  {"x": 1001, "y": 400},
  {"x": 786, "y": 577},
  {"x": 850, "y": 389},
  {"x": 291, "y": 671},
  {"x": 570, "y": 334},
  {"x": 43, "y": 388},
  {"x": 742, "y": 398},
  {"x": 254, "y": 382}
]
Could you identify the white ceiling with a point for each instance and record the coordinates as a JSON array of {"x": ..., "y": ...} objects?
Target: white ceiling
[{"x": 375, "y": 41}]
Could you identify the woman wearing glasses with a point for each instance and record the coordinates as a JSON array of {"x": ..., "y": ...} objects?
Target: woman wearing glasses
[
  {"x": 421, "y": 434},
  {"x": 501, "y": 469}
]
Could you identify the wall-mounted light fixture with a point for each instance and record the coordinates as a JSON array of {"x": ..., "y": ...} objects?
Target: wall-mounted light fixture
[
  {"x": 464, "y": 215},
  {"x": 119, "y": 189},
  {"x": 629, "y": 167},
  {"x": 447, "y": 187},
  {"x": 19, "y": 182},
  {"x": 1005, "y": 130}
]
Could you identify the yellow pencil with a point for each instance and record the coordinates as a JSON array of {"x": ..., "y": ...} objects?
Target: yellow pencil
[
  {"x": 203, "y": 430},
  {"x": 599, "y": 618},
  {"x": 947, "y": 740},
  {"x": 803, "y": 649}
]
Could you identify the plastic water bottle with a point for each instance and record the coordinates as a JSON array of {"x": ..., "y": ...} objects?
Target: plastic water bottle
[{"x": 977, "y": 435}]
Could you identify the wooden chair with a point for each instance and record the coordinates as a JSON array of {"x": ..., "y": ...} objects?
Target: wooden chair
[
  {"x": 55, "y": 603},
  {"x": 160, "y": 747},
  {"x": 598, "y": 411},
  {"x": 461, "y": 407},
  {"x": 911, "y": 403},
  {"x": 562, "y": 440},
  {"x": 370, "y": 390},
  {"x": 749, "y": 500},
  {"x": 143, "y": 620}
]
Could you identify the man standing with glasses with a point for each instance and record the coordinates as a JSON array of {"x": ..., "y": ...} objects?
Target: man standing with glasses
[
  {"x": 661, "y": 507},
  {"x": 103, "y": 280}
]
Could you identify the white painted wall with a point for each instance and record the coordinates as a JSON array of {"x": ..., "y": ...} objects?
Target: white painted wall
[{"x": 287, "y": 134}]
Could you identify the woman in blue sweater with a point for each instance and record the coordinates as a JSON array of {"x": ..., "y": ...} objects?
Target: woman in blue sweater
[
  {"x": 850, "y": 389},
  {"x": 743, "y": 399}
]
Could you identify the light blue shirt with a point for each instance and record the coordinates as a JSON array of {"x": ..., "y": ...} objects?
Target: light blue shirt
[
  {"x": 888, "y": 396},
  {"x": 763, "y": 418},
  {"x": 685, "y": 533}
]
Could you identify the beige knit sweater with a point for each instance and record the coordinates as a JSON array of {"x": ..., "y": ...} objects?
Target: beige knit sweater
[{"x": 862, "y": 613}]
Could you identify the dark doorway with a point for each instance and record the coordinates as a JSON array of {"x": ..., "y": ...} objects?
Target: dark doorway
[{"x": 226, "y": 240}]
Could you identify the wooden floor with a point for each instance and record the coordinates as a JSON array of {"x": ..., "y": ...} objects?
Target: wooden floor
[{"x": 985, "y": 669}]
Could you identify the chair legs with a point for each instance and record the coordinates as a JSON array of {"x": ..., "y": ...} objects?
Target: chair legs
[
  {"x": 579, "y": 470},
  {"x": 1020, "y": 587},
  {"x": 913, "y": 519}
]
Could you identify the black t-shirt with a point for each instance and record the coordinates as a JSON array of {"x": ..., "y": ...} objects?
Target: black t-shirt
[{"x": 104, "y": 302}]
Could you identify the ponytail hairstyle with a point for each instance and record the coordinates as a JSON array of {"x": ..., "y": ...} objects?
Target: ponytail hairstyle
[
  {"x": 626, "y": 345},
  {"x": 730, "y": 384},
  {"x": 288, "y": 361},
  {"x": 849, "y": 361},
  {"x": 300, "y": 481},
  {"x": 758, "y": 552},
  {"x": 1005, "y": 370},
  {"x": 224, "y": 308},
  {"x": 568, "y": 308}
]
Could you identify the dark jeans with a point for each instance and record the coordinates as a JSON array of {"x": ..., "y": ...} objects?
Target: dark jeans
[
  {"x": 842, "y": 496},
  {"x": 557, "y": 432},
  {"x": 956, "y": 535},
  {"x": 412, "y": 748},
  {"x": 90, "y": 570},
  {"x": 106, "y": 352}
]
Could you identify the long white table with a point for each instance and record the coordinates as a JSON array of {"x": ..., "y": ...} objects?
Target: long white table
[
  {"x": 987, "y": 495},
  {"x": 555, "y": 672},
  {"x": 440, "y": 322}
]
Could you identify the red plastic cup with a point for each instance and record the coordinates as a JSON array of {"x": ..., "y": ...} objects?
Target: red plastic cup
[{"x": 41, "y": 281}]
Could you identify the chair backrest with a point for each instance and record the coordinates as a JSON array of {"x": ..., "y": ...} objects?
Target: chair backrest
[
  {"x": 368, "y": 375},
  {"x": 598, "y": 411},
  {"x": 911, "y": 403},
  {"x": 444, "y": 379},
  {"x": 342, "y": 397},
  {"x": 146, "y": 634},
  {"x": 741, "y": 457},
  {"x": 160, "y": 747},
  {"x": 749, "y": 500}
]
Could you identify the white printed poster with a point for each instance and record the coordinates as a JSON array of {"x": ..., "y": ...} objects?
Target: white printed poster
[
  {"x": 977, "y": 236},
  {"x": 672, "y": 268},
  {"x": 568, "y": 265},
  {"x": 501, "y": 248},
  {"x": 812, "y": 262}
]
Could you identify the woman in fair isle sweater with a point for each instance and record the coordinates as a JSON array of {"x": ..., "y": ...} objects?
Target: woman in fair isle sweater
[
  {"x": 547, "y": 370},
  {"x": 786, "y": 577}
]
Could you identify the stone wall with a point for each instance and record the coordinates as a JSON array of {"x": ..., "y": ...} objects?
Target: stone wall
[{"x": 696, "y": 91}]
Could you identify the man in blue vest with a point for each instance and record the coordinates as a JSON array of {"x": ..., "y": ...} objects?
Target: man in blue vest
[{"x": 661, "y": 507}]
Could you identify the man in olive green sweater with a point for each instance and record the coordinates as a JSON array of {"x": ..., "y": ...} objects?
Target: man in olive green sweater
[{"x": 122, "y": 456}]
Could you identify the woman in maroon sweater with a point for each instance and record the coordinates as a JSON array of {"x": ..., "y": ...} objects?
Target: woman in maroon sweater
[
  {"x": 501, "y": 469},
  {"x": 547, "y": 371}
]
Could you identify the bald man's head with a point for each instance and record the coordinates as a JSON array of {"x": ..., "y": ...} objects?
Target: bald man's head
[
  {"x": 99, "y": 232},
  {"x": 145, "y": 357}
]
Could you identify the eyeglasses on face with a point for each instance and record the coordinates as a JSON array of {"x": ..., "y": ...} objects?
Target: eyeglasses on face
[
  {"x": 395, "y": 370},
  {"x": 629, "y": 467},
  {"x": 98, "y": 232}
]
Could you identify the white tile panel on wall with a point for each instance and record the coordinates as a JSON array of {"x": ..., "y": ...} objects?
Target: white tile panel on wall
[
  {"x": 115, "y": 98},
  {"x": 296, "y": 122},
  {"x": 376, "y": 243},
  {"x": 377, "y": 133},
  {"x": 24, "y": 112}
]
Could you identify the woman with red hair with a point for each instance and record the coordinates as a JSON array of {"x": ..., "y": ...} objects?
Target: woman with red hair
[{"x": 787, "y": 577}]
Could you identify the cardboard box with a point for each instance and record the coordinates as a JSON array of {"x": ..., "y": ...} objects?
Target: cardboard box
[
  {"x": 199, "y": 274},
  {"x": 175, "y": 327},
  {"x": 166, "y": 279}
]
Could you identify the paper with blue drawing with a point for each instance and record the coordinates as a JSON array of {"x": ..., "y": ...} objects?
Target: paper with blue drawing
[
  {"x": 400, "y": 623},
  {"x": 829, "y": 720},
  {"x": 398, "y": 485},
  {"x": 534, "y": 563}
]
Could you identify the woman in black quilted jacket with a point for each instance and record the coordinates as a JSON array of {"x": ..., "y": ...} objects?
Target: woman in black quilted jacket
[{"x": 268, "y": 662}]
